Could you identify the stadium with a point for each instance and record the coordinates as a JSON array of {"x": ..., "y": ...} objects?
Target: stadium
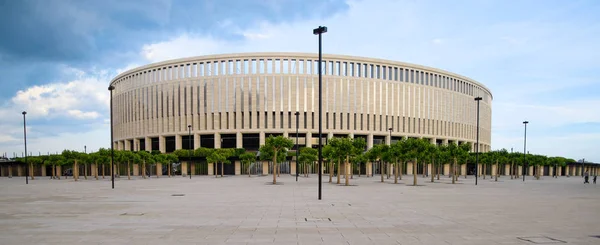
[{"x": 237, "y": 100}]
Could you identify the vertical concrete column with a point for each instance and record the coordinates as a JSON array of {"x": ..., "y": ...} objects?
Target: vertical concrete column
[
  {"x": 162, "y": 144},
  {"x": 20, "y": 170},
  {"x": 369, "y": 141},
  {"x": 261, "y": 138},
  {"x": 127, "y": 145},
  {"x": 369, "y": 169},
  {"x": 239, "y": 143},
  {"x": 159, "y": 169},
  {"x": 388, "y": 139},
  {"x": 286, "y": 134},
  {"x": 58, "y": 171},
  {"x": 559, "y": 170},
  {"x": 265, "y": 168},
  {"x": 184, "y": 168},
  {"x": 309, "y": 140},
  {"x": 192, "y": 169},
  {"x": 196, "y": 141},
  {"x": 178, "y": 142},
  {"x": 530, "y": 173},
  {"x": 43, "y": 170},
  {"x": 136, "y": 144},
  {"x": 211, "y": 169},
  {"x": 409, "y": 168},
  {"x": 238, "y": 168},
  {"x": 217, "y": 141},
  {"x": 136, "y": 169},
  {"x": 506, "y": 169},
  {"x": 148, "y": 144},
  {"x": 446, "y": 168},
  {"x": 494, "y": 169},
  {"x": 463, "y": 169}
]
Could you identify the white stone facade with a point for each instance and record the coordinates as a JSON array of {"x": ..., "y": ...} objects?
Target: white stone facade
[{"x": 259, "y": 94}]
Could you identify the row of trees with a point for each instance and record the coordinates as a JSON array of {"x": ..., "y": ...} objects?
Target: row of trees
[{"x": 341, "y": 155}]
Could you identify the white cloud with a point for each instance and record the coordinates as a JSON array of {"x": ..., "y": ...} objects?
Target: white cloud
[
  {"x": 65, "y": 98},
  {"x": 83, "y": 115}
]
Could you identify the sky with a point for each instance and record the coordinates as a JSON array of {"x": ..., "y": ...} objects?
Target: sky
[{"x": 540, "y": 58}]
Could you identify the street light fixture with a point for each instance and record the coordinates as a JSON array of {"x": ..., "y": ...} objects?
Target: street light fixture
[
  {"x": 525, "y": 151},
  {"x": 112, "y": 150},
  {"x": 319, "y": 31},
  {"x": 477, "y": 144},
  {"x": 25, "y": 142},
  {"x": 297, "y": 121},
  {"x": 190, "y": 148}
]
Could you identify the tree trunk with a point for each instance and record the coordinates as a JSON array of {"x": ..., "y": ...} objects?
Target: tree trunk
[
  {"x": 274, "y": 168},
  {"x": 85, "y": 173},
  {"x": 103, "y": 174},
  {"x": 424, "y": 169},
  {"x": 432, "y": 171},
  {"x": 169, "y": 169},
  {"x": 439, "y": 169},
  {"x": 497, "y": 170},
  {"x": 330, "y": 171},
  {"x": 453, "y": 169},
  {"x": 144, "y": 170},
  {"x": 396, "y": 173},
  {"x": 415, "y": 172},
  {"x": 128, "y": 170},
  {"x": 75, "y": 170},
  {"x": 358, "y": 169},
  {"x": 338, "y": 170},
  {"x": 484, "y": 170},
  {"x": 381, "y": 168},
  {"x": 401, "y": 169},
  {"x": 223, "y": 169},
  {"x": 347, "y": 168},
  {"x": 31, "y": 171},
  {"x": 53, "y": 171},
  {"x": 387, "y": 169}
]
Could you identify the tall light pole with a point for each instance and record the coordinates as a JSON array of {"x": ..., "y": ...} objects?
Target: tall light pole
[
  {"x": 525, "y": 151},
  {"x": 112, "y": 150},
  {"x": 25, "y": 141},
  {"x": 477, "y": 144},
  {"x": 297, "y": 121},
  {"x": 190, "y": 148},
  {"x": 319, "y": 31},
  {"x": 85, "y": 149}
]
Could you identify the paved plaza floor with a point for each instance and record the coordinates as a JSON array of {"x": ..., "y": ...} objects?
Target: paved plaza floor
[{"x": 243, "y": 210}]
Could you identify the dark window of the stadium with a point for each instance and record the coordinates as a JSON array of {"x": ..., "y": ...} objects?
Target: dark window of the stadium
[
  {"x": 378, "y": 140},
  {"x": 312, "y": 120},
  {"x": 383, "y": 71},
  {"x": 154, "y": 143},
  {"x": 187, "y": 142},
  {"x": 250, "y": 120},
  {"x": 368, "y": 122},
  {"x": 184, "y": 102},
  {"x": 305, "y": 120},
  {"x": 395, "y": 74},
  {"x": 338, "y": 70},
  {"x": 359, "y": 70},
  {"x": 361, "y": 121},
  {"x": 273, "y": 117},
  {"x": 251, "y": 142},
  {"x": 326, "y": 120},
  {"x": 380, "y": 122},
  {"x": 389, "y": 73},
  {"x": 227, "y": 120},
  {"x": 281, "y": 120},
  {"x": 142, "y": 144},
  {"x": 348, "y": 121},
  {"x": 412, "y": 76},
  {"x": 170, "y": 143},
  {"x": 372, "y": 71},
  {"x": 228, "y": 140},
  {"x": 235, "y": 120},
  {"x": 265, "y": 119},
  {"x": 334, "y": 120},
  {"x": 427, "y": 78},
  {"x": 289, "y": 119},
  {"x": 130, "y": 145},
  {"x": 330, "y": 68},
  {"x": 207, "y": 140}
]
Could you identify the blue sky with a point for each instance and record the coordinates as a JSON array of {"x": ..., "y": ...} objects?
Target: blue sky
[{"x": 541, "y": 59}]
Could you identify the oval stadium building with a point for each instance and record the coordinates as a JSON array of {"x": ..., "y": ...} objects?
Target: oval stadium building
[{"x": 236, "y": 100}]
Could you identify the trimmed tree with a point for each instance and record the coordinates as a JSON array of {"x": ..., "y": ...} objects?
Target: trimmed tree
[{"x": 274, "y": 147}]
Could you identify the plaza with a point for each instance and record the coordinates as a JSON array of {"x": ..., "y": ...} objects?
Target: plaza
[{"x": 249, "y": 210}]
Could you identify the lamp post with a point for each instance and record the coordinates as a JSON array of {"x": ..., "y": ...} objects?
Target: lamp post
[
  {"x": 525, "y": 151},
  {"x": 297, "y": 121},
  {"x": 25, "y": 141},
  {"x": 319, "y": 31},
  {"x": 190, "y": 149},
  {"x": 477, "y": 144},
  {"x": 112, "y": 150},
  {"x": 85, "y": 149}
]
